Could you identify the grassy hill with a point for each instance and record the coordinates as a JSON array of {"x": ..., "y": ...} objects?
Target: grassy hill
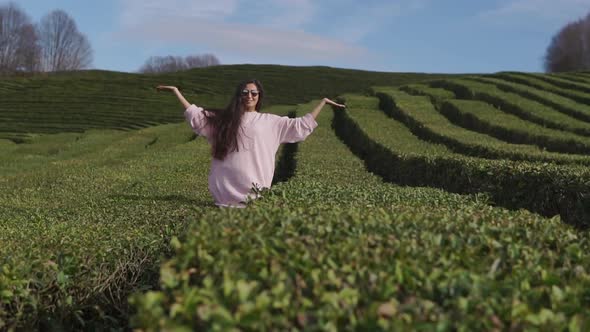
[
  {"x": 433, "y": 202},
  {"x": 77, "y": 101}
]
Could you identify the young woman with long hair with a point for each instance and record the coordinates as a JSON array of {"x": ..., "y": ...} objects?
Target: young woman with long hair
[{"x": 244, "y": 141}]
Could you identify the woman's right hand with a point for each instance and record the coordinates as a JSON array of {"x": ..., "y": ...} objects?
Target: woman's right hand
[
  {"x": 331, "y": 102},
  {"x": 166, "y": 87},
  {"x": 174, "y": 89}
]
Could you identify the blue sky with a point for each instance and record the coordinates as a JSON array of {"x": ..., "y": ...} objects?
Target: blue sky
[{"x": 441, "y": 36}]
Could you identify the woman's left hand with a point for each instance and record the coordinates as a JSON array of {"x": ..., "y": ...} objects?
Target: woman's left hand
[{"x": 331, "y": 102}]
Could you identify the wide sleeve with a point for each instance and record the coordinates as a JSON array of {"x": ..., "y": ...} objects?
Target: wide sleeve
[
  {"x": 195, "y": 116},
  {"x": 291, "y": 130}
]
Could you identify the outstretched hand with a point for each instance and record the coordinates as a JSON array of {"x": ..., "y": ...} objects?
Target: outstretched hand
[
  {"x": 331, "y": 102},
  {"x": 174, "y": 89},
  {"x": 166, "y": 87}
]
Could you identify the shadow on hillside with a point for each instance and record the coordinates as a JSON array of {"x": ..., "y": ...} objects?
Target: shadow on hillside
[{"x": 167, "y": 198}]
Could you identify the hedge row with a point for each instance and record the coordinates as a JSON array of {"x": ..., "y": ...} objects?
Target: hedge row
[
  {"x": 562, "y": 82},
  {"x": 286, "y": 164},
  {"x": 482, "y": 117},
  {"x": 573, "y": 76},
  {"x": 543, "y": 188},
  {"x": 66, "y": 117},
  {"x": 84, "y": 225},
  {"x": 334, "y": 249},
  {"x": 582, "y": 76},
  {"x": 426, "y": 122},
  {"x": 86, "y": 219},
  {"x": 93, "y": 91},
  {"x": 485, "y": 118},
  {"x": 436, "y": 95},
  {"x": 565, "y": 105},
  {"x": 509, "y": 102},
  {"x": 535, "y": 82}
]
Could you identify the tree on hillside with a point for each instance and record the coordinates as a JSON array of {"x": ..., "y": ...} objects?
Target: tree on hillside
[
  {"x": 163, "y": 64},
  {"x": 167, "y": 64},
  {"x": 63, "y": 47},
  {"x": 31, "y": 51},
  {"x": 569, "y": 49},
  {"x": 18, "y": 41},
  {"x": 205, "y": 60}
]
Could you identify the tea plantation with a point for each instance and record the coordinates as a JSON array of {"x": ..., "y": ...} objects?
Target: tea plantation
[{"x": 432, "y": 202}]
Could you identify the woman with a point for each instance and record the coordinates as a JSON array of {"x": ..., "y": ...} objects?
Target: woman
[{"x": 244, "y": 141}]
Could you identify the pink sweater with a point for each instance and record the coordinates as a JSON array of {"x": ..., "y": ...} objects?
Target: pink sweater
[{"x": 231, "y": 179}]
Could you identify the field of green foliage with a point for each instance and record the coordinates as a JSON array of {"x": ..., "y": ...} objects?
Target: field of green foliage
[{"x": 432, "y": 202}]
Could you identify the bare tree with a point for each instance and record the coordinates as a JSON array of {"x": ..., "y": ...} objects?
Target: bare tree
[
  {"x": 30, "y": 52},
  {"x": 163, "y": 64},
  {"x": 63, "y": 47},
  {"x": 167, "y": 64},
  {"x": 17, "y": 40},
  {"x": 569, "y": 49},
  {"x": 205, "y": 60}
]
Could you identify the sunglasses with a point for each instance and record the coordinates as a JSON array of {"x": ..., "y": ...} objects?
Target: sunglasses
[{"x": 253, "y": 92}]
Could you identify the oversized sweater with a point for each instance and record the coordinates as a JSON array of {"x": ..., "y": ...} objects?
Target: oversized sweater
[{"x": 231, "y": 180}]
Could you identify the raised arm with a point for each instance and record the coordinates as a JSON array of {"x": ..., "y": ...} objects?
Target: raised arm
[
  {"x": 324, "y": 101},
  {"x": 174, "y": 89}
]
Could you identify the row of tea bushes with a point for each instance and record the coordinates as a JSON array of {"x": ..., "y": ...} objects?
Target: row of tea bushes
[
  {"x": 86, "y": 219},
  {"x": 84, "y": 226},
  {"x": 77, "y": 101},
  {"x": 396, "y": 154},
  {"x": 560, "y": 103},
  {"x": 581, "y": 77},
  {"x": 535, "y": 82},
  {"x": 419, "y": 114},
  {"x": 334, "y": 248},
  {"x": 524, "y": 108},
  {"x": 483, "y": 117},
  {"x": 562, "y": 82},
  {"x": 436, "y": 95}
]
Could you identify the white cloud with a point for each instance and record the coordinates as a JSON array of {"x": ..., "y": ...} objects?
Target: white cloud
[
  {"x": 358, "y": 19},
  {"x": 247, "y": 40},
  {"x": 283, "y": 13},
  {"x": 141, "y": 11},
  {"x": 258, "y": 29},
  {"x": 293, "y": 13}
]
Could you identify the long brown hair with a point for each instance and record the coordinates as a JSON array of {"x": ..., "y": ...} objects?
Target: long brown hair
[{"x": 225, "y": 122}]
